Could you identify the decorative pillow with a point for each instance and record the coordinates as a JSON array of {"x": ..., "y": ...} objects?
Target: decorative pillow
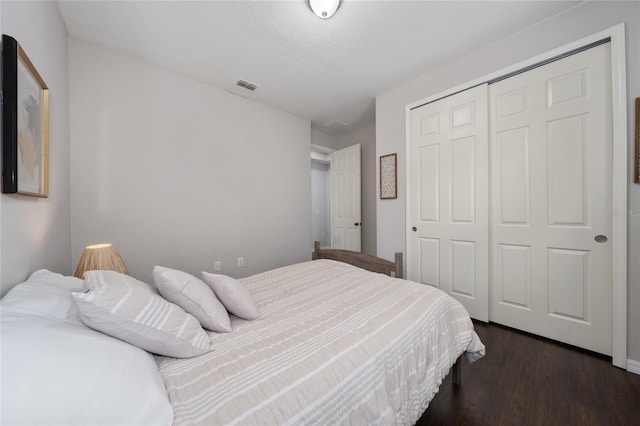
[
  {"x": 123, "y": 307},
  {"x": 45, "y": 293},
  {"x": 233, "y": 295},
  {"x": 192, "y": 295},
  {"x": 58, "y": 372}
]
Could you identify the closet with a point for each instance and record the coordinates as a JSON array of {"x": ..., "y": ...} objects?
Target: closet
[{"x": 510, "y": 199}]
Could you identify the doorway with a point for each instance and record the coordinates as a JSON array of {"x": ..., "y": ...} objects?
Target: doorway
[
  {"x": 336, "y": 197},
  {"x": 321, "y": 195}
]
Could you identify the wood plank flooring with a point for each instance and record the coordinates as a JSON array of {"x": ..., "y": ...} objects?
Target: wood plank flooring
[{"x": 528, "y": 380}]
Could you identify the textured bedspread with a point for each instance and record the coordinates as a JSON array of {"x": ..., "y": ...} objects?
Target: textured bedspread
[{"x": 334, "y": 345}]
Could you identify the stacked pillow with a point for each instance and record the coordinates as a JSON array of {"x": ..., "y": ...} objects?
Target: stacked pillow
[
  {"x": 172, "y": 325},
  {"x": 59, "y": 371},
  {"x": 56, "y": 370},
  {"x": 193, "y": 296},
  {"x": 123, "y": 307},
  {"x": 233, "y": 294},
  {"x": 208, "y": 301}
]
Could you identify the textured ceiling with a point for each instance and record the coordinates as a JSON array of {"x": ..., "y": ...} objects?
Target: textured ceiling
[{"x": 323, "y": 70}]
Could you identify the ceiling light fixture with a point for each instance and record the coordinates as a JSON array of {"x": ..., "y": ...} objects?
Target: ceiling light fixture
[{"x": 324, "y": 8}]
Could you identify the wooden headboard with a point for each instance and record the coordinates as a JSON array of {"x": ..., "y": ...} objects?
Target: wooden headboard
[{"x": 361, "y": 260}]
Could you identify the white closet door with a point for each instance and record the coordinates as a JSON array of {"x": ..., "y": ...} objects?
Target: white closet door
[
  {"x": 449, "y": 198},
  {"x": 551, "y": 152}
]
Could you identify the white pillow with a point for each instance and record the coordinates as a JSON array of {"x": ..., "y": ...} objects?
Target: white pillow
[
  {"x": 192, "y": 295},
  {"x": 63, "y": 373},
  {"x": 233, "y": 295},
  {"x": 123, "y": 307},
  {"x": 45, "y": 293}
]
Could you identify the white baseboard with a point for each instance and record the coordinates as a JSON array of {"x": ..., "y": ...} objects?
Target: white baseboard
[{"x": 633, "y": 366}]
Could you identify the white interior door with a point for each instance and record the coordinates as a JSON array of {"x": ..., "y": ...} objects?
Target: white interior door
[
  {"x": 346, "y": 224},
  {"x": 449, "y": 242},
  {"x": 551, "y": 159}
]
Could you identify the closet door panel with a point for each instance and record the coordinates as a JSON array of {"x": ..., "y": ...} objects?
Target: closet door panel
[
  {"x": 566, "y": 168},
  {"x": 569, "y": 284},
  {"x": 551, "y": 145},
  {"x": 429, "y": 171},
  {"x": 449, "y": 222},
  {"x": 513, "y": 283},
  {"x": 463, "y": 274},
  {"x": 462, "y": 180},
  {"x": 512, "y": 165},
  {"x": 429, "y": 261}
]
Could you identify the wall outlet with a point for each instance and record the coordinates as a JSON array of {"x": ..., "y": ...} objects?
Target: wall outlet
[
  {"x": 240, "y": 262},
  {"x": 217, "y": 265}
]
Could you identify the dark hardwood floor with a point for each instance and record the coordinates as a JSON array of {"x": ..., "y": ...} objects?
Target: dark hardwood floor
[{"x": 527, "y": 380}]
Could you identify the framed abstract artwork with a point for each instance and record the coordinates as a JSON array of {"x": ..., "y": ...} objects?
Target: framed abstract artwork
[
  {"x": 388, "y": 177},
  {"x": 25, "y": 118}
]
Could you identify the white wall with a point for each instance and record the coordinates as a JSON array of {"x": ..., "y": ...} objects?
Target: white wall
[
  {"x": 35, "y": 232},
  {"x": 181, "y": 174},
  {"x": 322, "y": 139},
  {"x": 581, "y": 21},
  {"x": 366, "y": 137}
]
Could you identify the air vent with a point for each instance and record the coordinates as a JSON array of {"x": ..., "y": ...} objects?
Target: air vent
[
  {"x": 247, "y": 85},
  {"x": 335, "y": 125}
]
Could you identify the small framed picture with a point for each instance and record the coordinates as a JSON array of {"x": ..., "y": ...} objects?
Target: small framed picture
[
  {"x": 25, "y": 116},
  {"x": 388, "y": 177}
]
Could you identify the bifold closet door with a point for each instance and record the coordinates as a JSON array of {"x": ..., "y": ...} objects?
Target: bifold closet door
[
  {"x": 551, "y": 154},
  {"x": 449, "y": 220}
]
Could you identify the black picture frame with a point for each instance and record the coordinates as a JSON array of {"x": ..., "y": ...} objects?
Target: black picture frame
[{"x": 25, "y": 124}]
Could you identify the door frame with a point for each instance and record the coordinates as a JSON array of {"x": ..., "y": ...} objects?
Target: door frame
[{"x": 616, "y": 35}]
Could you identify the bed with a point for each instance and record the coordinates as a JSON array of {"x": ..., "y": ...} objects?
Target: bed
[{"x": 333, "y": 344}]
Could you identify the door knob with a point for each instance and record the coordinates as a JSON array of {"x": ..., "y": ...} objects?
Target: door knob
[
  {"x": 414, "y": 229},
  {"x": 357, "y": 223},
  {"x": 601, "y": 238}
]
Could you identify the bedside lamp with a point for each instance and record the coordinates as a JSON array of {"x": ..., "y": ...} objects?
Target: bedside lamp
[{"x": 102, "y": 257}]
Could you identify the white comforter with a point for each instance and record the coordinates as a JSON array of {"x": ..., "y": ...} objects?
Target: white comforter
[{"x": 334, "y": 345}]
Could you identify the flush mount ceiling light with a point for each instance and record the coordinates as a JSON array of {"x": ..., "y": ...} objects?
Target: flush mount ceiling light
[{"x": 324, "y": 8}]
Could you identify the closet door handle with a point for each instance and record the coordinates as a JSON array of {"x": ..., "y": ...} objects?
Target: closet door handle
[{"x": 601, "y": 239}]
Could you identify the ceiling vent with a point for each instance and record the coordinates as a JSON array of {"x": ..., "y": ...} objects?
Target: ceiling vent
[
  {"x": 335, "y": 125},
  {"x": 246, "y": 85}
]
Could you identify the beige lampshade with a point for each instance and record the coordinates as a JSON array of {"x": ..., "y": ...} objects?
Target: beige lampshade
[{"x": 103, "y": 257}]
